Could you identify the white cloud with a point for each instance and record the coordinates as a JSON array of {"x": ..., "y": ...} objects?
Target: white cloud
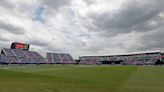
[{"x": 82, "y": 27}]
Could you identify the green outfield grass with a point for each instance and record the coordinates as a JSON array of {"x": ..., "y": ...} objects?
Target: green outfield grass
[{"x": 70, "y": 78}]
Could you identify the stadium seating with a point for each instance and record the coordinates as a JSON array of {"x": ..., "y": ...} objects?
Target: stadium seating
[
  {"x": 90, "y": 60},
  {"x": 60, "y": 58},
  {"x": 131, "y": 59},
  {"x": 143, "y": 59},
  {"x": 17, "y": 56},
  {"x": 23, "y": 56}
]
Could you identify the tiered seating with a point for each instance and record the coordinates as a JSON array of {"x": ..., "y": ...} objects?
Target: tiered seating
[
  {"x": 143, "y": 59},
  {"x": 15, "y": 56},
  {"x": 60, "y": 58},
  {"x": 8, "y": 52},
  {"x": 53, "y": 58},
  {"x": 90, "y": 60},
  {"x": 131, "y": 59}
]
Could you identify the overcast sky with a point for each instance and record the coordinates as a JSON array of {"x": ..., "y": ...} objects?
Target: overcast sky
[{"x": 83, "y": 27}]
